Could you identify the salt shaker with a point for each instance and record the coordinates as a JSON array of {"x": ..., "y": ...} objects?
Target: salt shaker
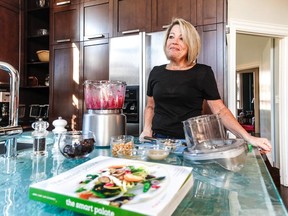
[
  {"x": 59, "y": 125},
  {"x": 58, "y": 158},
  {"x": 39, "y": 137}
]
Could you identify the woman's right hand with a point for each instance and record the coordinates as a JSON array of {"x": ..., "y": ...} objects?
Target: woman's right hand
[
  {"x": 262, "y": 143},
  {"x": 145, "y": 133}
]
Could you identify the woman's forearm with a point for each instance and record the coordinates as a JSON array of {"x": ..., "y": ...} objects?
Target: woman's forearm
[
  {"x": 231, "y": 123},
  {"x": 227, "y": 119},
  {"x": 148, "y": 116}
]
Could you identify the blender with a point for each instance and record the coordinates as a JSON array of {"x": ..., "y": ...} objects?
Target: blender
[{"x": 104, "y": 116}]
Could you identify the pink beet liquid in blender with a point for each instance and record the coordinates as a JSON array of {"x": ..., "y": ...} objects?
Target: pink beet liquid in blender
[{"x": 104, "y": 100}]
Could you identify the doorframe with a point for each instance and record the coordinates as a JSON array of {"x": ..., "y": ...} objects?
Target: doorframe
[{"x": 276, "y": 31}]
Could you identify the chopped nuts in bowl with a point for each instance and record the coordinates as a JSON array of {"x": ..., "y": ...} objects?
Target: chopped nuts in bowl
[{"x": 122, "y": 144}]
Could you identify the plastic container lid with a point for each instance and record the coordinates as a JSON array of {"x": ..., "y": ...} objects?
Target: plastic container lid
[
  {"x": 215, "y": 148},
  {"x": 230, "y": 153}
]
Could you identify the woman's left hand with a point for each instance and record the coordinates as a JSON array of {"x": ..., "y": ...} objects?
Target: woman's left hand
[{"x": 260, "y": 142}]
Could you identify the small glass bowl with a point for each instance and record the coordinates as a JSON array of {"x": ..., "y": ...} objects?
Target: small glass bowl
[
  {"x": 76, "y": 144},
  {"x": 134, "y": 154},
  {"x": 158, "y": 152},
  {"x": 170, "y": 144},
  {"x": 123, "y": 144}
]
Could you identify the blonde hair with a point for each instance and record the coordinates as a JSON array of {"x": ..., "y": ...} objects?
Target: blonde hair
[{"x": 190, "y": 37}]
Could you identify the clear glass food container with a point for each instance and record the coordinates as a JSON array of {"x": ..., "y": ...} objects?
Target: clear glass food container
[{"x": 230, "y": 153}]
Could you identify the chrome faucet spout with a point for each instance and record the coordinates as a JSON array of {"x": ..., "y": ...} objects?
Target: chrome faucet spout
[
  {"x": 11, "y": 141},
  {"x": 14, "y": 92}
]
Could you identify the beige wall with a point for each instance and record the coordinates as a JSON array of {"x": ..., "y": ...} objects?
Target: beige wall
[
  {"x": 266, "y": 11},
  {"x": 249, "y": 49}
]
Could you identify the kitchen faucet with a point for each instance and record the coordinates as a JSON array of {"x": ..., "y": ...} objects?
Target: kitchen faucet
[{"x": 10, "y": 132}]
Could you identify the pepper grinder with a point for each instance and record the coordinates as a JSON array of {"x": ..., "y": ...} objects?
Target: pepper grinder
[{"x": 39, "y": 137}]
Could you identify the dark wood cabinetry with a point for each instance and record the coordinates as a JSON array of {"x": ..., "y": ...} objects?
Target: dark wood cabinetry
[
  {"x": 65, "y": 84},
  {"x": 66, "y": 25},
  {"x": 164, "y": 10},
  {"x": 212, "y": 52},
  {"x": 95, "y": 56},
  {"x": 9, "y": 42},
  {"x": 96, "y": 29},
  {"x": 96, "y": 20},
  {"x": 60, "y": 3},
  {"x": 79, "y": 53},
  {"x": 11, "y": 3},
  {"x": 211, "y": 12},
  {"x": 132, "y": 16}
]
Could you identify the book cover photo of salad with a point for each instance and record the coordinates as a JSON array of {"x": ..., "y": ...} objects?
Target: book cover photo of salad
[{"x": 113, "y": 186}]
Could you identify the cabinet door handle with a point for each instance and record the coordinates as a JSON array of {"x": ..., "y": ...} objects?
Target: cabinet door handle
[
  {"x": 95, "y": 36},
  {"x": 165, "y": 26},
  {"x": 63, "y": 40},
  {"x": 63, "y": 3},
  {"x": 131, "y": 31}
]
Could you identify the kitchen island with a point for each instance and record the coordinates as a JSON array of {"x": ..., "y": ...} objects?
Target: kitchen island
[{"x": 215, "y": 191}]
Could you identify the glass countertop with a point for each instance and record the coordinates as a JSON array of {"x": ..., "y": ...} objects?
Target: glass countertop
[{"x": 215, "y": 191}]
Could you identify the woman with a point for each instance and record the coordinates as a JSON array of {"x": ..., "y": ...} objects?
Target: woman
[{"x": 176, "y": 91}]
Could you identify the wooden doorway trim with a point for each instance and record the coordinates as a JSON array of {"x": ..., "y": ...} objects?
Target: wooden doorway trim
[{"x": 276, "y": 31}]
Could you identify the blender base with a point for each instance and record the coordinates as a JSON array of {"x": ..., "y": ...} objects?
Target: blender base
[{"x": 104, "y": 124}]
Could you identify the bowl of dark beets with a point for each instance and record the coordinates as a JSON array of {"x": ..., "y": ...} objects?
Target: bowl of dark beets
[{"x": 76, "y": 144}]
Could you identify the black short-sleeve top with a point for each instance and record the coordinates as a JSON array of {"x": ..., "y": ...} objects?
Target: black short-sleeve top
[{"x": 179, "y": 95}]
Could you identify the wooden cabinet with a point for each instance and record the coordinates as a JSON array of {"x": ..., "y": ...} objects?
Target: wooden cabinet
[
  {"x": 95, "y": 56},
  {"x": 213, "y": 51},
  {"x": 61, "y": 3},
  {"x": 78, "y": 54},
  {"x": 211, "y": 11},
  {"x": 164, "y": 10},
  {"x": 132, "y": 16},
  {"x": 9, "y": 42},
  {"x": 96, "y": 21},
  {"x": 65, "y": 84},
  {"x": 11, "y": 3},
  {"x": 65, "y": 70},
  {"x": 65, "y": 21}
]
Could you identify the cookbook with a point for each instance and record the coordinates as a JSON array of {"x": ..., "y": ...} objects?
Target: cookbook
[{"x": 114, "y": 186}]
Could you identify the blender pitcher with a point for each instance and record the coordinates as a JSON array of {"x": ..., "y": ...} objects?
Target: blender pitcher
[{"x": 104, "y": 100}]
